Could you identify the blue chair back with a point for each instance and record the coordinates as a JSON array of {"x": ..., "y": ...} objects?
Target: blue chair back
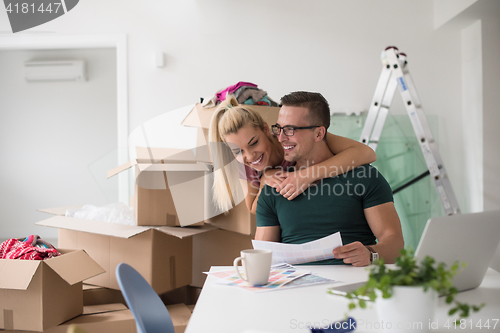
[{"x": 150, "y": 314}]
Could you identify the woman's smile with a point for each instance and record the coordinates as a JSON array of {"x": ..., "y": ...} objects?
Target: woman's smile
[{"x": 257, "y": 161}]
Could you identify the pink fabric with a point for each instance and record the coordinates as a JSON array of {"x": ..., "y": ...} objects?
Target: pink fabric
[{"x": 231, "y": 89}]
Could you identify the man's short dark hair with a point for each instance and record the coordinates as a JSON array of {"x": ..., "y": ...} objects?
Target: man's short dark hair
[{"x": 319, "y": 111}]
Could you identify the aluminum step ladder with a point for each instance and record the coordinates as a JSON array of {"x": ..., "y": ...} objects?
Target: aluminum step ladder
[{"x": 395, "y": 74}]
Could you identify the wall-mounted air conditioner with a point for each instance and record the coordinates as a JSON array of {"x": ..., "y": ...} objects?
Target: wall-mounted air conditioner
[{"x": 61, "y": 70}]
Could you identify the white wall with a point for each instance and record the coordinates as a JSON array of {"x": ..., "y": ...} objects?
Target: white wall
[
  {"x": 481, "y": 20},
  {"x": 472, "y": 115},
  {"x": 491, "y": 113},
  {"x": 51, "y": 133},
  {"x": 284, "y": 45},
  {"x": 331, "y": 46},
  {"x": 445, "y": 10}
]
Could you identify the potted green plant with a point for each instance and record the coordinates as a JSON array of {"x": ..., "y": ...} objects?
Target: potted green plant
[{"x": 406, "y": 294}]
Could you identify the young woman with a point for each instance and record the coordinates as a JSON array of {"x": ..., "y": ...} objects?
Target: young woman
[{"x": 238, "y": 134}]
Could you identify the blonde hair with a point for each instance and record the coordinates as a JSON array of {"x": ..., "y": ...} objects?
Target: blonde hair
[{"x": 228, "y": 118}]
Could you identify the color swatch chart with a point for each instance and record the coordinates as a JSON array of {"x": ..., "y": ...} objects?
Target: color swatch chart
[{"x": 278, "y": 277}]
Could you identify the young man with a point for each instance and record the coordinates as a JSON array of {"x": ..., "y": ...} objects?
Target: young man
[{"x": 358, "y": 203}]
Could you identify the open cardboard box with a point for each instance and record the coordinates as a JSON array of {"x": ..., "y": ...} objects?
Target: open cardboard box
[
  {"x": 175, "y": 190},
  {"x": 38, "y": 294},
  {"x": 174, "y": 186},
  {"x": 162, "y": 255},
  {"x": 239, "y": 219},
  {"x": 116, "y": 318},
  {"x": 110, "y": 318},
  {"x": 168, "y": 184},
  {"x": 180, "y": 315},
  {"x": 97, "y": 295}
]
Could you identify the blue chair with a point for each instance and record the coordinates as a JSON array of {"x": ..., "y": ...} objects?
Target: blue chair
[{"x": 150, "y": 314}]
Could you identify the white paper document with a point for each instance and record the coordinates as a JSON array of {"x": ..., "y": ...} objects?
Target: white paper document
[{"x": 319, "y": 249}]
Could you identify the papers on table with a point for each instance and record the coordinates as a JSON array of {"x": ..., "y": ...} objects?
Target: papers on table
[
  {"x": 282, "y": 276},
  {"x": 308, "y": 280},
  {"x": 319, "y": 249}
]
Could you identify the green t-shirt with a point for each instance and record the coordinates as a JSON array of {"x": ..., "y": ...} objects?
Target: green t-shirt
[{"x": 334, "y": 204}]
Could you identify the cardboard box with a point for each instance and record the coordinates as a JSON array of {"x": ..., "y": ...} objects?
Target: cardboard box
[
  {"x": 38, "y": 294},
  {"x": 180, "y": 315},
  {"x": 239, "y": 219},
  {"x": 97, "y": 295},
  {"x": 201, "y": 117},
  {"x": 109, "y": 318},
  {"x": 116, "y": 318},
  {"x": 176, "y": 300},
  {"x": 176, "y": 296},
  {"x": 173, "y": 186},
  {"x": 216, "y": 248},
  {"x": 187, "y": 295},
  {"x": 162, "y": 255},
  {"x": 169, "y": 183}
]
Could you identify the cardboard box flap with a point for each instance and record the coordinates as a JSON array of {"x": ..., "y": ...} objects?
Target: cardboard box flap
[
  {"x": 90, "y": 287},
  {"x": 193, "y": 119},
  {"x": 75, "y": 266},
  {"x": 157, "y": 155},
  {"x": 121, "y": 168},
  {"x": 174, "y": 167},
  {"x": 103, "y": 308},
  {"x": 94, "y": 227},
  {"x": 17, "y": 274},
  {"x": 199, "y": 117},
  {"x": 182, "y": 232},
  {"x": 118, "y": 230},
  {"x": 60, "y": 211},
  {"x": 150, "y": 155}
]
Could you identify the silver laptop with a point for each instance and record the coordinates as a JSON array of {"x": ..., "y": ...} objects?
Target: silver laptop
[{"x": 470, "y": 238}]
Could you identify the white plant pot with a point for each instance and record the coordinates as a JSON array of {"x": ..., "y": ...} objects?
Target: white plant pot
[{"x": 410, "y": 309}]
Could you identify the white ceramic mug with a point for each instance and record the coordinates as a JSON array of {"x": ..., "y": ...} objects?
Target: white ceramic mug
[{"x": 256, "y": 266}]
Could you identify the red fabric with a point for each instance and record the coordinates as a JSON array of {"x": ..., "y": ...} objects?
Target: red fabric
[{"x": 17, "y": 249}]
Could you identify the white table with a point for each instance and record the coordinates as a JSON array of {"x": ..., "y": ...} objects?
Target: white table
[{"x": 230, "y": 309}]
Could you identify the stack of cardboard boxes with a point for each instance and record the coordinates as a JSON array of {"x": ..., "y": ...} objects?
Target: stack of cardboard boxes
[
  {"x": 175, "y": 239},
  {"x": 43, "y": 295}
]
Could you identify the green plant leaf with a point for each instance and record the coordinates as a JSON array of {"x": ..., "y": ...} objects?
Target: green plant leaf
[{"x": 426, "y": 273}]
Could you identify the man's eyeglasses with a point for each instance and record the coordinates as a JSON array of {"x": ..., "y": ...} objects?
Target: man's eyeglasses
[{"x": 287, "y": 130}]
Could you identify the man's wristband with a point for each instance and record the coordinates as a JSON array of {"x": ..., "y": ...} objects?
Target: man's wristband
[{"x": 373, "y": 254}]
